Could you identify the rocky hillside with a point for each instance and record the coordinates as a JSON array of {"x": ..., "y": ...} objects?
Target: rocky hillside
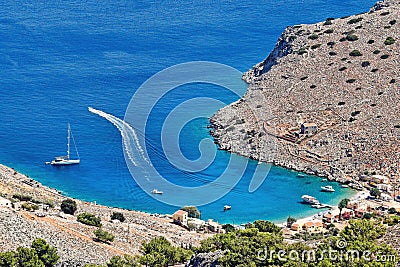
[{"x": 343, "y": 75}]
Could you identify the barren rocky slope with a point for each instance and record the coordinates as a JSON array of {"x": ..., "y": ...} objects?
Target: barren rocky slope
[{"x": 343, "y": 75}]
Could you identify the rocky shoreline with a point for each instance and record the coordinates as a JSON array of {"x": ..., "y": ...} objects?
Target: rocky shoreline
[
  {"x": 74, "y": 240},
  {"x": 341, "y": 75}
]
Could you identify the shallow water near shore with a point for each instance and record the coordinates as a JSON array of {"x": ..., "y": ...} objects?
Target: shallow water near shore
[{"x": 58, "y": 59}]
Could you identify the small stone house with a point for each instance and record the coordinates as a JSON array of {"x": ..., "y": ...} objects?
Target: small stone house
[
  {"x": 5, "y": 202},
  {"x": 308, "y": 128},
  {"x": 180, "y": 217}
]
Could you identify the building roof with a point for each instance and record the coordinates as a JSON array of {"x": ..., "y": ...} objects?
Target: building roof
[
  {"x": 309, "y": 224},
  {"x": 309, "y": 124},
  {"x": 181, "y": 212},
  {"x": 4, "y": 200}
]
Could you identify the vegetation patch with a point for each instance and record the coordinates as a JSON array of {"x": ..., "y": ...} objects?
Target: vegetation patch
[
  {"x": 89, "y": 219},
  {"x": 365, "y": 64},
  {"x": 392, "y": 22},
  {"x": 384, "y": 56},
  {"x": 392, "y": 80},
  {"x": 68, "y": 206},
  {"x": 355, "y": 53},
  {"x": 376, "y": 52},
  {"x": 332, "y": 53},
  {"x": 389, "y": 41},
  {"x": 385, "y": 13},
  {"x": 302, "y": 51},
  {"x": 313, "y": 37},
  {"x": 329, "y": 31},
  {"x": 350, "y": 80},
  {"x": 342, "y": 68},
  {"x": 374, "y": 70},
  {"x": 313, "y": 86},
  {"x": 351, "y": 37},
  {"x": 118, "y": 216},
  {"x": 355, "y": 20},
  {"x": 341, "y": 103},
  {"x": 370, "y": 41},
  {"x": 315, "y": 46},
  {"x": 304, "y": 78},
  {"x": 103, "y": 236}
]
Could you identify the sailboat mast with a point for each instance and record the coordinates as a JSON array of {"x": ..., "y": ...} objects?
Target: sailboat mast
[{"x": 69, "y": 137}]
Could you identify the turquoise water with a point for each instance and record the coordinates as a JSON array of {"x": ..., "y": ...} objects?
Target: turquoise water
[{"x": 57, "y": 59}]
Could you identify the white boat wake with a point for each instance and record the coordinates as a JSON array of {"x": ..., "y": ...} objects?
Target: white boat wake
[{"x": 129, "y": 136}]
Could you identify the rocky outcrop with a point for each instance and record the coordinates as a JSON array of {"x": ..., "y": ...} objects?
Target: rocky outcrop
[{"x": 342, "y": 74}]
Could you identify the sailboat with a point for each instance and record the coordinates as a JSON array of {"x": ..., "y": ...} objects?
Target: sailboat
[{"x": 66, "y": 160}]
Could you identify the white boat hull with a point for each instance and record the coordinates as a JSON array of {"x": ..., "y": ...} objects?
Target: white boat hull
[{"x": 65, "y": 162}]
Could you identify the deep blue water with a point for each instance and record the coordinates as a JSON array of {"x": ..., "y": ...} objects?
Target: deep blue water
[{"x": 57, "y": 59}]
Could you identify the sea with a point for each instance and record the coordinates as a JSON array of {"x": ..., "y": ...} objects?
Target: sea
[{"x": 57, "y": 58}]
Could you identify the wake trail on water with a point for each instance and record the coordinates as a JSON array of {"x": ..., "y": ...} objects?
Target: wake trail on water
[{"x": 128, "y": 134}]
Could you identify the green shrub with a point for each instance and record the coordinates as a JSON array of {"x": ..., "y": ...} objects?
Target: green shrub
[
  {"x": 376, "y": 52},
  {"x": 355, "y": 53},
  {"x": 370, "y": 42},
  {"x": 355, "y": 20},
  {"x": 392, "y": 81},
  {"x": 103, "y": 236},
  {"x": 302, "y": 51},
  {"x": 350, "y": 80},
  {"x": 392, "y": 22},
  {"x": 29, "y": 207},
  {"x": 365, "y": 64},
  {"x": 328, "y": 31},
  {"x": 313, "y": 37},
  {"x": 89, "y": 219},
  {"x": 355, "y": 113},
  {"x": 331, "y": 44},
  {"x": 332, "y": 53},
  {"x": 351, "y": 37},
  {"x": 68, "y": 206},
  {"x": 384, "y": 56},
  {"x": 118, "y": 216},
  {"x": 313, "y": 86},
  {"x": 387, "y": 27},
  {"x": 342, "y": 68},
  {"x": 315, "y": 46},
  {"x": 22, "y": 197},
  {"x": 389, "y": 41},
  {"x": 374, "y": 70},
  {"x": 192, "y": 211},
  {"x": 385, "y": 13},
  {"x": 341, "y": 103},
  {"x": 303, "y": 78}
]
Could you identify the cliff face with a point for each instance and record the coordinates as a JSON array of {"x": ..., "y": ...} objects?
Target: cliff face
[{"x": 343, "y": 75}]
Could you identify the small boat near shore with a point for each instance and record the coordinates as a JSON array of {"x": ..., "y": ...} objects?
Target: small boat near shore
[
  {"x": 309, "y": 200},
  {"x": 300, "y": 175},
  {"x": 66, "y": 160},
  {"x": 157, "y": 192},
  {"x": 344, "y": 186},
  {"x": 327, "y": 188}
]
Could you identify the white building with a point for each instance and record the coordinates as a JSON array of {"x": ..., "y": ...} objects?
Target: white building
[{"x": 5, "y": 202}]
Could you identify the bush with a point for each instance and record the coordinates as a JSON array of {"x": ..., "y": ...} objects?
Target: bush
[
  {"x": 355, "y": 53},
  {"x": 29, "y": 207},
  {"x": 342, "y": 68},
  {"x": 313, "y": 86},
  {"x": 392, "y": 81},
  {"x": 315, "y": 46},
  {"x": 350, "y": 80},
  {"x": 313, "y": 37},
  {"x": 332, "y": 53},
  {"x": 103, "y": 236},
  {"x": 374, "y": 70},
  {"x": 355, "y": 20},
  {"x": 385, "y": 13},
  {"x": 89, "y": 219},
  {"x": 351, "y": 37},
  {"x": 389, "y": 41},
  {"x": 21, "y": 197},
  {"x": 376, "y": 52},
  {"x": 341, "y": 103},
  {"x": 328, "y": 31},
  {"x": 384, "y": 56},
  {"x": 118, "y": 216},
  {"x": 392, "y": 22},
  {"x": 68, "y": 206},
  {"x": 365, "y": 64},
  {"x": 371, "y": 41},
  {"x": 331, "y": 44}
]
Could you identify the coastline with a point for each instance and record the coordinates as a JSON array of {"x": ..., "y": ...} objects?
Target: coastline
[{"x": 73, "y": 239}]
